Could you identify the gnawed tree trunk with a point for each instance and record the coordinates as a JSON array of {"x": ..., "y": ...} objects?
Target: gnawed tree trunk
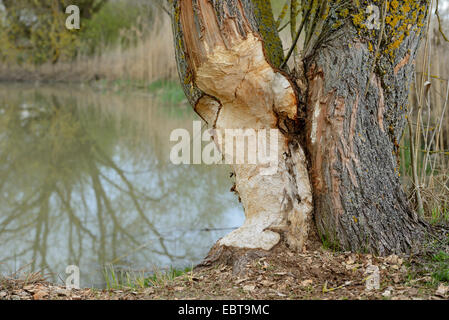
[
  {"x": 233, "y": 83},
  {"x": 347, "y": 116}
]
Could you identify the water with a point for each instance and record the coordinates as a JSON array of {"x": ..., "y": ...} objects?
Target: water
[{"x": 85, "y": 180}]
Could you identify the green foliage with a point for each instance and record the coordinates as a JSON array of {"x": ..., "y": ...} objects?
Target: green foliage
[
  {"x": 120, "y": 279},
  {"x": 168, "y": 91},
  {"x": 329, "y": 243},
  {"x": 441, "y": 257},
  {"x": 439, "y": 214},
  {"x": 441, "y": 266},
  {"x": 35, "y": 32},
  {"x": 162, "y": 278},
  {"x": 108, "y": 25}
]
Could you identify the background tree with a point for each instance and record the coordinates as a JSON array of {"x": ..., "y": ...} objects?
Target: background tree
[
  {"x": 35, "y": 31},
  {"x": 342, "y": 103}
]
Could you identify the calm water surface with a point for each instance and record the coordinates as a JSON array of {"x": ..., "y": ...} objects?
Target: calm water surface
[{"x": 85, "y": 179}]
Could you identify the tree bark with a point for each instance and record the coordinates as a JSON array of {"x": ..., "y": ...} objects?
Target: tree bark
[
  {"x": 356, "y": 108},
  {"x": 341, "y": 116}
]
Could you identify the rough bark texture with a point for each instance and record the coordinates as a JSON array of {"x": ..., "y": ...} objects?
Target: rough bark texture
[
  {"x": 356, "y": 115},
  {"x": 232, "y": 82}
]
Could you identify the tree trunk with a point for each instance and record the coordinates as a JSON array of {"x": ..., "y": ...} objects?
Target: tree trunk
[
  {"x": 356, "y": 113},
  {"x": 231, "y": 81},
  {"x": 347, "y": 118}
]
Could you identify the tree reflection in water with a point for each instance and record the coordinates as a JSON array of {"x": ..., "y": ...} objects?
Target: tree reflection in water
[{"x": 85, "y": 179}]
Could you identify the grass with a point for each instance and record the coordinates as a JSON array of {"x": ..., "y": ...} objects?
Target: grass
[
  {"x": 162, "y": 278},
  {"x": 18, "y": 279},
  {"x": 169, "y": 91},
  {"x": 439, "y": 215},
  {"x": 431, "y": 270},
  {"x": 116, "y": 279},
  {"x": 441, "y": 267},
  {"x": 329, "y": 244}
]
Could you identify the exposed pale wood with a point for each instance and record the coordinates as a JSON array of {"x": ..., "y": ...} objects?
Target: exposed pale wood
[{"x": 242, "y": 90}]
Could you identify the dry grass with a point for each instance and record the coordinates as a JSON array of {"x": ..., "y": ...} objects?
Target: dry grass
[
  {"x": 20, "y": 278},
  {"x": 425, "y": 147},
  {"x": 152, "y": 58}
]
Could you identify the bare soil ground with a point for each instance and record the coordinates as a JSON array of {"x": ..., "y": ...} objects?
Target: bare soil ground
[{"x": 318, "y": 274}]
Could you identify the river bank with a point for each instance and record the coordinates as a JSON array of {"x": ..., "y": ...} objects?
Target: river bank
[{"x": 316, "y": 275}]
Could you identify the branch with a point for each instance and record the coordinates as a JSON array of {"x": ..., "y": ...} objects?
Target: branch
[
  {"x": 440, "y": 28},
  {"x": 282, "y": 14},
  {"x": 295, "y": 41},
  {"x": 379, "y": 41},
  {"x": 160, "y": 6}
]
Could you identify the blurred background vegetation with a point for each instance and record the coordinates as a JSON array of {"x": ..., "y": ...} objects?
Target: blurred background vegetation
[{"x": 36, "y": 45}]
